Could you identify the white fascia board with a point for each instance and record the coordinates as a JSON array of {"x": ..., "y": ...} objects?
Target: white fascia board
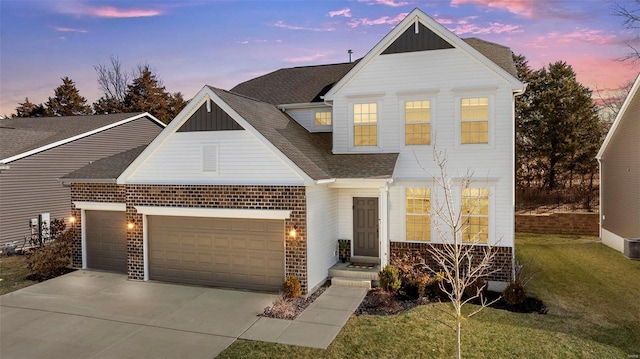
[
  {"x": 437, "y": 28},
  {"x": 214, "y": 212},
  {"x": 360, "y": 183},
  {"x": 310, "y": 105},
  {"x": 77, "y": 137},
  {"x": 171, "y": 128},
  {"x": 627, "y": 102},
  {"x": 100, "y": 206}
]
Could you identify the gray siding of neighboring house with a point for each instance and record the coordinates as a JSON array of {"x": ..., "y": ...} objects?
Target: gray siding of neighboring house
[
  {"x": 31, "y": 185},
  {"x": 620, "y": 168}
]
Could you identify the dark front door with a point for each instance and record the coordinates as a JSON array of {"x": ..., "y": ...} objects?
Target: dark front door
[{"x": 365, "y": 226}]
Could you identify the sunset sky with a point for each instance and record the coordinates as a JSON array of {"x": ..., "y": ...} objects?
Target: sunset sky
[{"x": 222, "y": 43}]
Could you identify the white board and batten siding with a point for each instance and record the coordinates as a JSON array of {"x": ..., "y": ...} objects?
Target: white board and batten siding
[
  {"x": 322, "y": 232},
  {"x": 241, "y": 159}
]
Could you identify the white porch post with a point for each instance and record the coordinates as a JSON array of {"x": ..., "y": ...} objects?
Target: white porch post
[{"x": 383, "y": 227}]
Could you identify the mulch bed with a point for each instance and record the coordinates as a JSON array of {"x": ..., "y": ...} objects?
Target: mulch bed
[
  {"x": 379, "y": 302},
  {"x": 290, "y": 308}
]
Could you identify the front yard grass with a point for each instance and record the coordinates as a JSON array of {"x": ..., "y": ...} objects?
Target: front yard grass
[
  {"x": 13, "y": 273},
  {"x": 591, "y": 291}
]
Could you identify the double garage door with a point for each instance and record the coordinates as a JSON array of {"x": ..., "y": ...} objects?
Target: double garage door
[
  {"x": 237, "y": 253},
  {"x": 234, "y": 253}
]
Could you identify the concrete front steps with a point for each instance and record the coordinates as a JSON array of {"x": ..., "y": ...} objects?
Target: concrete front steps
[{"x": 349, "y": 274}]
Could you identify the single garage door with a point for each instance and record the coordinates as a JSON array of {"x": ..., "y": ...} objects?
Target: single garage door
[
  {"x": 106, "y": 240},
  {"x": 235, "y": 253}
]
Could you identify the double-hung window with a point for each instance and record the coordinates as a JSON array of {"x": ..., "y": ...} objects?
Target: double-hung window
[
  {"x": 475, "y": 215},
  {"x": 418, "y": 214},
  {"x": 365, "y": 124},
  {"x": 474, "y": 120},
  {"x": 417, "y": 118}
]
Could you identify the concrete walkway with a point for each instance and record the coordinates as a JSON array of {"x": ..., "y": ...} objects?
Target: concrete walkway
[{"x": 316, "y": 326}]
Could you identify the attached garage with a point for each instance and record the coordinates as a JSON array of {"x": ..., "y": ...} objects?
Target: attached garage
[
  {"x": 106, "y": 240},
  {"x": 225, "y": 252}
]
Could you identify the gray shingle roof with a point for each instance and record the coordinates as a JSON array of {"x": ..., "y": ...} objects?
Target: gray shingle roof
[
  {"x": 310, "y": 152},
  {"x": 107, "y": 169},
  {"x": 20, "y": 135},
  {"x": 294, "y": 85},
  {"x": 499, "y": 54}
]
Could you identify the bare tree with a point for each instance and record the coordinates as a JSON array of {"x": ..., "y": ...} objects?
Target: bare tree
[
  {"x": 610, "y": 102},
  {"x": 113, "y": 79},
  {"x": 630, "y": 14},
  {"x": 462, "y": 260}
]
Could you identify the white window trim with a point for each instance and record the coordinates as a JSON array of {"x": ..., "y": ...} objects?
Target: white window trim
[
  {"x": 491, "y": 96},
  {"x": 432, "y": 239},
  {"x": 426, "y": 96},
  {"x": 213, "y": 212},
  {"x": 491, "y": 240},
  {"x": 322, "y": 127},
  {"x": 361, "y": 100}
]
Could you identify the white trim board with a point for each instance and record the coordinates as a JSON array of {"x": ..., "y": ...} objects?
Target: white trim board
[
  {"x": 100, "y": 206},
  {"x": 213, "y": 212}
]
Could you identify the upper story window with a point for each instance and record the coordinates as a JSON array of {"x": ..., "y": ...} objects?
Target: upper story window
[
  {"x": 323, "y": 118},
  {"x": 365, "y": 124},
  {"x": 417, "y": 117},
  {"x": 418, "y": 210},
  {"x": 475, "y": 215},
  {"x": 474, "y": 120}
]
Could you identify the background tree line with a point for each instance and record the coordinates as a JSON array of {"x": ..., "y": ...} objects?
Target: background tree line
[{"x": 139, "y": 90}]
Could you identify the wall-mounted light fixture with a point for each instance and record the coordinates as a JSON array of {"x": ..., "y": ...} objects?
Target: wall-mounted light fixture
[
  {"x": 131, "y": 225},
  {"x": 293, "y": 232},
  {"x": 72, "y": 220}
]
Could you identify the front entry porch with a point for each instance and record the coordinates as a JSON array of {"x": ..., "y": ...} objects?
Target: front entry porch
[{"x": 358, "y": 272}]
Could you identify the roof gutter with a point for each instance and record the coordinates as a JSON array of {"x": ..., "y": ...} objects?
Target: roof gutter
[
  {"x": 325, "y": 181},
  {"x": 293, "y": 106}
]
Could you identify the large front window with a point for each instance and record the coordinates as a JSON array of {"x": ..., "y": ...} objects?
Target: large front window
[
  {"x": 474, "y": 120},
  {"x": 418, "y": 209},
  {"x": 475, "y": 215},
  {"x": 365, "y": 124},
  {"x": 417, "y": 117}
]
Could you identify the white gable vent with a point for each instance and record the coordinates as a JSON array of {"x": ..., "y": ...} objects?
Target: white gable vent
[{"x": 210, "y": 158}]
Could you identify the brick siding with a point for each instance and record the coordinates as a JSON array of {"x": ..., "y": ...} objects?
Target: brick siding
[
  {"x": 292, "y": 198},
  {"x": 503, "y": 261},
  {"x": 90, "y": 192},
  {"x": 559, "y": 223}
]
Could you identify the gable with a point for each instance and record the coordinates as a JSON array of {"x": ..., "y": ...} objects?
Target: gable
[
  {"x": 417, "y": 38},
  {"x": 210, "y": 117}
]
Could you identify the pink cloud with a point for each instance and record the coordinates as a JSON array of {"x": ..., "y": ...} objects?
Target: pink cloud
[
  {"x": 346, "y": 12},
  {"x": 391, "y": 3},
  {"x": 309, "y": 58},
  {"x": 493, "y": 28},
  {"x": 282, "y": 25},
  {"x": 581, "y": 35},
  {"x": 379, "y": 21},
  {"x": 520, "y": 7},
  {"x": 68, "y": 29},
  {"x": 80, "y": 9}
]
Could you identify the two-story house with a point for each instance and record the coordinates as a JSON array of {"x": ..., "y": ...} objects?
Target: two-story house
[{"x": 250, "y": 185}]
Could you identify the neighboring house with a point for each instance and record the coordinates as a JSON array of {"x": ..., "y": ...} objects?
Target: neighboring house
[
  {"x": 35, "y": 152},
  {"x": 247, "y": 186},
  {"x": 619, "y": 159}
]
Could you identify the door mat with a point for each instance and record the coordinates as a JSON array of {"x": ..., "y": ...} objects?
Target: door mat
[{"x": 361, "y": 265}]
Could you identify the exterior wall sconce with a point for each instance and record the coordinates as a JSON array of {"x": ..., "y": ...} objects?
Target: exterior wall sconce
[
  {"x": 293, "y": 233},
  {"x": 131, "y": 225},
  {"x": 72, "y": 220}
]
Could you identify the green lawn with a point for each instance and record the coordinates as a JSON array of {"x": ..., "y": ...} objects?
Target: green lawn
[
  {"x": 13, "y": 270},
  {"x": 592, "y": 293}
]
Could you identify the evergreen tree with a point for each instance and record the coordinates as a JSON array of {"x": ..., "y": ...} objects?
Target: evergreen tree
[
  {"x": 29, "y": 109},
  {"x": 146, "y": 94},
  {"x": 558, "y": 126},
  {"x": 67, "y": 101}
]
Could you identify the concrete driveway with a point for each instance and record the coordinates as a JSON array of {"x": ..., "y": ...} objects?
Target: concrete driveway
[{"x": 87, "y": 314}]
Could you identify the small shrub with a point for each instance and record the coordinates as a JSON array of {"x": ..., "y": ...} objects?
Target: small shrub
[
  {"x": 415, "y": 287},
  {"x": 389, "y": 280},
  {"x": 282, "y": 308},
  {"x": 292, "y": 287},
  {"x": 478, "y": 287},
  {"x": 51, "y": 260},
  {"x": 433, "y": 287},
  {"x": 515, "y": 293}
]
